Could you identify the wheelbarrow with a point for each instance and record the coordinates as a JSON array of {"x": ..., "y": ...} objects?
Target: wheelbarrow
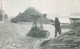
[{"x": 38, "y": 33}]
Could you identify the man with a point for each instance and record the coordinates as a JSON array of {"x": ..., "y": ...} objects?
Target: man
[{"x": 57, "y": 27}]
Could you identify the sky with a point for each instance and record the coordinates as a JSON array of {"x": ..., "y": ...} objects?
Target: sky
[{"x": 53, "y": 8}]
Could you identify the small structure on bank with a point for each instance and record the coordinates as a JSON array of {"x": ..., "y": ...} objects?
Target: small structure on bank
[{"x": 75, "y": 23}]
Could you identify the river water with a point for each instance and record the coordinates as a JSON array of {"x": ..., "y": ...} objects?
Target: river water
[{"x": 14, "y": 36}]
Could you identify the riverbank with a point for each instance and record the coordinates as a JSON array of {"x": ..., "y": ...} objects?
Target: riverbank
[{"x": 71, "y": 37}]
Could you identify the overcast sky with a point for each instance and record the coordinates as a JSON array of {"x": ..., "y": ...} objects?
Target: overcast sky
[{"x": 51, "y": 7}]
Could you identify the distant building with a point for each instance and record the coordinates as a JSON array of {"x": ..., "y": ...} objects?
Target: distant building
[
  {"x": 5, "y": 16},
  {"x": 1, "y": 14},
  {"x": 75, "y": 14}
]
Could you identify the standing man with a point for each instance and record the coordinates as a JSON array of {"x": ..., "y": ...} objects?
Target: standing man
[
  {"x": 34, "y": 19},
  {"x": 57, "y": 27}
]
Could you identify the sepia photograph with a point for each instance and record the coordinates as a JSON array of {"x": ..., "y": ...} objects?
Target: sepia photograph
[{"x": 39, "y": 24}]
